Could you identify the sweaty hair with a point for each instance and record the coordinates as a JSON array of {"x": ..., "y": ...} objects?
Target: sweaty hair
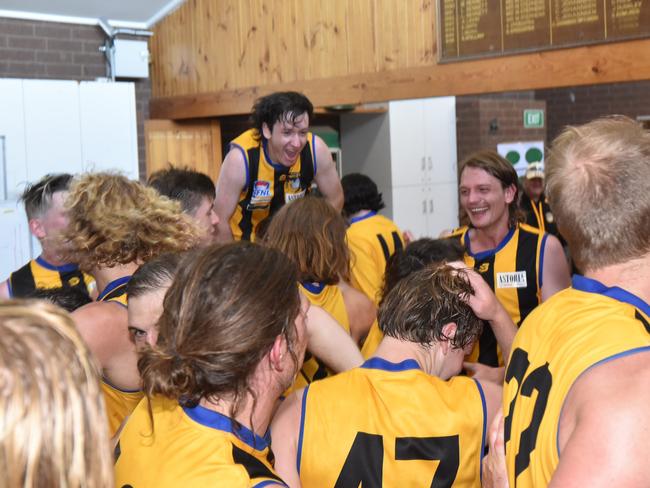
[
  {"x": 499, "y": 167},
  {"x": 312, "y": 234},
  {"x": 597, "y": 178},
  {"x": 420, "y": 305},
  {"x": 114, "y": 220},
  {"x": 38, "y": 197},
  {"x": 52, "y": 412},
  {"x": 417, "y": 255},
  {"x": 360, "y": 193},
  {"x": 279, "y": 107},
  {"x": 222, "y": 314},
  {"x": 68, "y": 298},
  {"x": 184, "y": 185},
  {"x": 154, "y": 275}
]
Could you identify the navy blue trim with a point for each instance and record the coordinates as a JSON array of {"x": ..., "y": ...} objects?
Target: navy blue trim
[
  {"x": 66, "y": 268},
  {"x": 384, "y": 365},
  {"x": 105, "y": 380},
  {"x": 215, "y": 420},
  {"x": 112, "y": 285},
  {"x": 540, "y": 273},
  {"x": 363, "y": 217},
  {"x": 313, "y": 151},
  {"x": 11, "y": 292},
  {"x": 313, "y": 287},
  {"x": 276, "y": 166},
  {"x": 269, "y": 482},
  {"x": 302, "y": 428},
  {"x": 489, "y": 252},
  {"x": 232, "y": 144},
  {"x": 619, "y": 355},
  {"x": 589, "y": 285},
  {"x": 483, "y": 437}
]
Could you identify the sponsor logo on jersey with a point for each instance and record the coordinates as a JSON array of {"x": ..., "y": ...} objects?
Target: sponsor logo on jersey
[
  {"x": 516, "y": 279},
  {"x": 483, "y": 268},
  {"x": 290, "y": 197},
  {"x": 261, "y": 190}
]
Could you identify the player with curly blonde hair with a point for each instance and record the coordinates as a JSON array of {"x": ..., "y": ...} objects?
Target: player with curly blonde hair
[
  {"x": 115, "y": 225},
  {"x": 50, "y": 402}
]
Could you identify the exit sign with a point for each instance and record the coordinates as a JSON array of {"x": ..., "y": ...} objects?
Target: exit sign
[{"x": 533, "y": 119}]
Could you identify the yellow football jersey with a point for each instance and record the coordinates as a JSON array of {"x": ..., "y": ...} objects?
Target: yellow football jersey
[
  {"x": 119, "y": 404},
  {"x": 330, "y": 299},
  {"x": 387, "y": 424},
  {"x": 38, "y": 274},
  {"x": 268, "y": 185},
  {"x": 115, "y": 291},
  {"x": 514, "y": 272},
  {"x": 190, "y": 447},
  {"x": 574, "y": 330}
]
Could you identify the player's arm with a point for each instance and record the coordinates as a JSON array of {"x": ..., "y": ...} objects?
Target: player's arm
[
  {"x": 329, "y": 341},
  {"x": 361, "y": 311},
  {"x": 555, "y": 273},
  {"x": 606, "y": 425},
  {"x": 232, "y": 179},
  {"x": 285, "y": 432},
  {"x": 493, "y": 394},
  {"x": 4, "y": 290},
  {"x": 326, "y": 177}
]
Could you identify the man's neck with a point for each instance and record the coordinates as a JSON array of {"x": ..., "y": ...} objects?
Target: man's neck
[
  {"x": 103, "y": 276},
  {"x": 359, "y": 214},
  {"x": 490, "y": 237},
  {"x": 396, "y": 351},
  {"x": 52, "y": 258},
  {"x": 632, "y": 276}
]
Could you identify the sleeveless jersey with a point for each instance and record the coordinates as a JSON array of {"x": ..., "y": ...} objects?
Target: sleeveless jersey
[
  {"x": 387, "y": 424},
  {"x": 119, "y": 404},
  {"x": 539, "y": 215},
  {"x": 514, "y": 272},
  {"x": 190, "y": 447},
  {"x": 115, "y": 291},
  {"x": 268, "y": 185},
  {"x": 38, "y": 274},
  {"x": 330, "y": 299},
  {"x": 575, "y": 329}
]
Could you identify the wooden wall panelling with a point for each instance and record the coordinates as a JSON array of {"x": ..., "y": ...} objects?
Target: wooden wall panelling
[{"x": 196, "y": 144}]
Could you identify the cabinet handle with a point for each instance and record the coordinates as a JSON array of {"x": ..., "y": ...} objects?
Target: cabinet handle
[
  {"x": 424, "y": 164},
  {"x": 430, "y": 162},
  {"x": 424, "y": 206},
  {"x": 430, "y": 206}
]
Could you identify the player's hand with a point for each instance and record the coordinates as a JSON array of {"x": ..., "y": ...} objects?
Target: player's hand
[
  {"x": 495, "y": 471},
  {"x": 408, "y": 237},
  {"x": 483, "y": 302},
  {"x": 480, "y": 372}
]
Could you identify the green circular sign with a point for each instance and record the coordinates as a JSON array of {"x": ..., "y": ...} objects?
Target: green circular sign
[
  {"x": 534, "y": 155},
  {"x": 513, "y": 157}
]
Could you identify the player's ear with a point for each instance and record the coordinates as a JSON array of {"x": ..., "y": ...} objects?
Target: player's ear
[{"x": 448, "y": 332}]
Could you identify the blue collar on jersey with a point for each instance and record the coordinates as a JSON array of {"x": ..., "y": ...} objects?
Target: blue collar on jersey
[
  {"x": 276, "y": 166},
  {"x": 216, "y": 420},
  {"x": 313, "y": 286},
  {"x": 489, "y": 252},
  {"x": 384, "y": 365},
  {"x": 589, "y": 285},
  {"x": 66, "y": 268},
  {"x": 112, "y": 285},
  {"x": 362, "y": 217}
]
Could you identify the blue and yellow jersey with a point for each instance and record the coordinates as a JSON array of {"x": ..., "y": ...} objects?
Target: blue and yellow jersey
[
  {"x": 387, "y": 424},
  {"x": 190, "y": 447},
  {"x": 115, "y": 291},
  {"x": 514, "y": 272},
  {"x": 330, "y": 299},
  {"x": 269, "y": 185},
  {"x": 574, "y": 330},
  {"x": 119, "y": 404},
  {"x": 38, "y": 274}
]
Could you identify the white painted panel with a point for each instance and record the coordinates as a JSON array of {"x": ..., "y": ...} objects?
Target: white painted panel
[
  {"x": 442, "y": 208},
  {"x": 109, "y": 138},
  {"x": 410, "y": 207},
  {"x": 14, "y": 244},
  {"x": 52, "y": 128},
  {"x": 406, "y": 142},
  {"x": 12, "y": 127},
  {"x": 440, "y": 138}
]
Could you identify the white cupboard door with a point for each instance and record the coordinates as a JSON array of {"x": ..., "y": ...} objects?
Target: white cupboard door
[
  {"x": 410, "y": 209},
  {"x": 51, "y": 127},
  {"x": 109, "y": 140},
  {"x": 12, "y": 132},
  {"x": 442, "y": 208},
  {"x": 408, "y": 162},
  {"x": 440, "y": 138}
]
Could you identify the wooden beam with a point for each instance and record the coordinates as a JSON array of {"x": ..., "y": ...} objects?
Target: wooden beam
[{"x": 604, "y": 63}]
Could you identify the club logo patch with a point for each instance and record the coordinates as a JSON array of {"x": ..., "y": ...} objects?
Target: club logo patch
[
  {"x": 516, "y": 279},
  {"x": 261, "y": 190}
]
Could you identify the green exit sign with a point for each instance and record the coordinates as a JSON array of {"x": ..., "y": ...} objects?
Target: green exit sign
[{"x": 533, "y": 119}]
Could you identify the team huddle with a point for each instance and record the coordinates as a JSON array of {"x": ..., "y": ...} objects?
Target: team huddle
[{"x": 277, "y": 330}]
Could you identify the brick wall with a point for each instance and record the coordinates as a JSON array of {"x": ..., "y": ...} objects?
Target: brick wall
[
  {"x": 577, "y": 105},
  {"x": 42, "y": 50}
]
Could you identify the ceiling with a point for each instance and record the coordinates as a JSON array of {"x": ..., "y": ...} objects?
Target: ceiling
[{"x": 120, "y": 13}]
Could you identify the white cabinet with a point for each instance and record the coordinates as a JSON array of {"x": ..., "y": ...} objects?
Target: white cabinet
[{"x": 12, "y": 130}]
